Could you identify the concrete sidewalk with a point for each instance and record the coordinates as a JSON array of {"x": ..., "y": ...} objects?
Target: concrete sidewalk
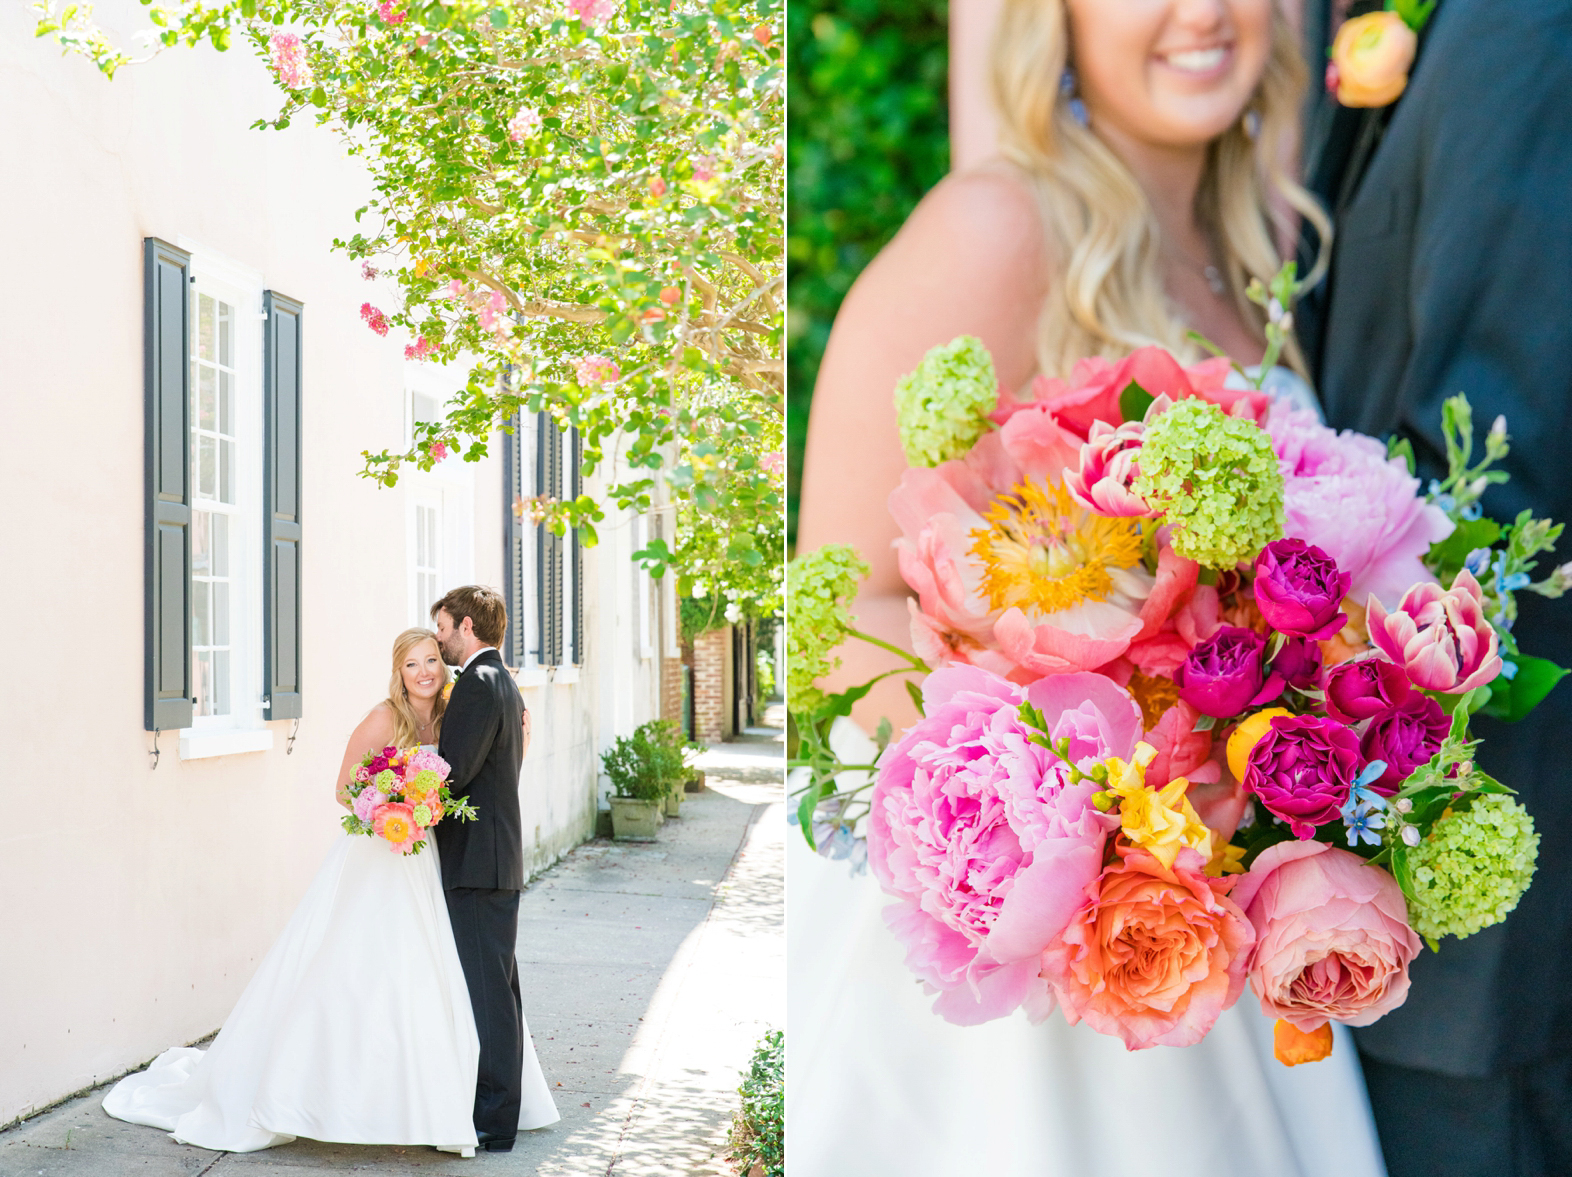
[{"x": 649, "y": 972}]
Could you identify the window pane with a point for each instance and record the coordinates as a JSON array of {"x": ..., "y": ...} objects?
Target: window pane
[
  {"x": 226, "y": 329},
  {"x": 221, "y": 613},
  {"x": 220, "y": 682},
  {"x": 201, "y": 613},
  {"x": 200, "y": 560},
  {"x": 220, "y": 543},
  {"x": 226, "y": 403},
  {"x": 204, "y": 683},
  {"x": 205, "y": 327},
  {"x": 207, "y": 461},
  {"x": 226, "y": 471},
  {"x": 207, "y": 407}
]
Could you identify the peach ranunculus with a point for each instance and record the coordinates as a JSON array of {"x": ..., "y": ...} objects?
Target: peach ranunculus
[
  {"x": 1014, "y": 576},
  {"x": 1332, "y": 935},
  {"x": 1438, "y": 636},
  {"x": 1155, "y": 955},
  {"x": 1371, "y": 55}
]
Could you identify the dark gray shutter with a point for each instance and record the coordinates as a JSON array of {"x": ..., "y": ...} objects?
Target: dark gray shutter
[
  {"x": 548, "y": 564},
  {"x": 166, "y": 274},
  {"x": 281, "y": 369},
  {"x": 575, "y": 482},
  {"x": 514, "y": 531}
]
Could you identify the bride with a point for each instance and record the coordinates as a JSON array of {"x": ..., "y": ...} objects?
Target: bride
[
  {"x": 1138, "y": 188},
  {"x": 357, "y": 1026}
]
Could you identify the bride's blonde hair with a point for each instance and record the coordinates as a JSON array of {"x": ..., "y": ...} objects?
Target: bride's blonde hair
[
  {"x": 406, "y": 727},
  {"x": 1108, "y": 299}
]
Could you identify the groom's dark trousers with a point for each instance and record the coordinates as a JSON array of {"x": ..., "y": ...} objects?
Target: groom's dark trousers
[
  {"x": 483, "y": 873},
  {"x": 1452, "y": 272}
]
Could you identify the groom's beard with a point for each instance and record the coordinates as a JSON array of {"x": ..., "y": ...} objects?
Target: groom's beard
[{"x": 453, "y": 655}]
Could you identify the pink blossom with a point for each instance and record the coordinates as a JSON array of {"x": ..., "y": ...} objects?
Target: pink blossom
[
  {"x": 391, "y": 13},
  {"x": 1109, "y": 465},
  {"x": 773, "y": 462},
  {"x": 493, "y": 307},
  {"x": 367, "y": 801},
  {"x": 977, "y": 832},
  {"x": 704, "y": 169},
  {"x": 289, "y": 61},
  {"x": 657, "y": 187},
  {"x": 1440, "y": 638},
  {"x": 457, "y": 289},
  {"x": 424, "y": 759},
  {"x": 368, "y": 271},
  {"x": 1333, "y": 939},
  {"x": 438, "y": 450},
  {"x": 525, "y": 124},
  {"x": 420, "y": 349},
  {"x": 1344, "y": 495},
  {"x": 374, "y": 318},
  {"x": 592, "y": 370},
  {"x": 592, "y": 12}
]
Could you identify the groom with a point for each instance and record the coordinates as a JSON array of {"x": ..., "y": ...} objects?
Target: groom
[
  {"x": 1453, "y": 250},
  {"x": 483, "y": 860}
]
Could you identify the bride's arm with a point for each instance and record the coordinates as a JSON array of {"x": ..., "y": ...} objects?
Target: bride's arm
[
  {"x": 375, "y": 732},
  {"x": 969, "y": 261}
]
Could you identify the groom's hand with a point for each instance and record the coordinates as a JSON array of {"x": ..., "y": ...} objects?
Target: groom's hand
[{"x": 524, "y": 746}]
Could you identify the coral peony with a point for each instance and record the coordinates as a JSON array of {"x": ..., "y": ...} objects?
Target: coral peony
[
  {"x": 395, "y": 822},
  {"x": 1440, "y": 638},
  {"x": 1300, "y": 590},
  {"x": 1332, "y": 935},
  {"x": 1155, "y": 955},
  {"x": 1302, "y": 770},
  {"x": 1344, "y": 495},
  {"x": 977, "y": 832}
]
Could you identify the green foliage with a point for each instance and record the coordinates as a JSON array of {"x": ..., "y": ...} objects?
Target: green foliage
[
  {"x": 868, "y": 137},
  {"x": 758, "y": 1131},
  {"x": 648, "y": 764},
  {"x": 588, "y": 214}
]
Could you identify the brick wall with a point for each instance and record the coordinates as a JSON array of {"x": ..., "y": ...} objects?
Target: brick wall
[
  {"x": 711, "y": 674},
  {"x": 671, "y": 689}
]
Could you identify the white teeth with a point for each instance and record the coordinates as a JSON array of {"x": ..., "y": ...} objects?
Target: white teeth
[{"x": 1197, "y": 61}]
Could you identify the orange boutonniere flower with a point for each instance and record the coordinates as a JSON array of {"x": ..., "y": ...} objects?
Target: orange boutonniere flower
[{"x": 1372, "y": 54}]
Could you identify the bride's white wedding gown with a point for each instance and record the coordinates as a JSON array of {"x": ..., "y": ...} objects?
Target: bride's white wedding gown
[{"x": 356, "y": 1028}]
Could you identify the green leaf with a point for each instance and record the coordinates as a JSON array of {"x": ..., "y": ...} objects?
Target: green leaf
[
  {"x": 319, "y": 97},
  {"x": 1401, "y": 447},
  {"x": 1134, "y": 401},
  {"x": 1512, "y": 699},
  {"x": 836, "y": 706},
  {"x": 805, "y": 808},
  {"x": 915, "y": 692},
  {"x": 499, "y": 18},
  {"x": 1446, "y": 557}
]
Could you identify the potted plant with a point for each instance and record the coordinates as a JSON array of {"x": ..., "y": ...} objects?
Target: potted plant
[
  {"x": 668, "y": 751},
  {"x": 638, "y": 808}
]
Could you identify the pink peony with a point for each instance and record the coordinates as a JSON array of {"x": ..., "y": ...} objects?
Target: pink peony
[
  {"x": 423, "y": 760},
  {"x": 1155, "y": 955},
  {"x": 367, "y": 801},
  {"x": 1440, "y": 638},
  {"x": 1109, "y": 465},
  {"x": 289, "y": 61},
  {"x": 1344, "y": 495},
  {"x": 976, "y": 831},
  {"x": 1332, "y": 931},
  {"x": 1011, "y": 574}
]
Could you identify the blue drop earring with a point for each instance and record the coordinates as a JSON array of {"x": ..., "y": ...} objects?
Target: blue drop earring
[
  {"x": 1252, "y": 124},
  {"x": 1067, "y": 90}
]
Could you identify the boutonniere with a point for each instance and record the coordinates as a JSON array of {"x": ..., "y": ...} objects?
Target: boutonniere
[
  {"x": 447, "y": 691},
  {"x": 1372, "y": 54}
]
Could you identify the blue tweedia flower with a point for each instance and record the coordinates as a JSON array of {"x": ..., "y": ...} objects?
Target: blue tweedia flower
[
  {"x": 1362, "y": 812},
  {"x": 1478, "y": 561},
  {"x": 1508, "y": 669},
  {"x": 1472, "y": 512}
]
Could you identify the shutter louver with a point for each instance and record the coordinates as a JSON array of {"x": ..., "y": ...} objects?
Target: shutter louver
[
  {"x": 549, "y": 575},
  {"x": 166, "y": 277},
  {"x": 281, "y": 377},
  {"x": 575, "y": 489},
  {"x": 515, "y": 645}
]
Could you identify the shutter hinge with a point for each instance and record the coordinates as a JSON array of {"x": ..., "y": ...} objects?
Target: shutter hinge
[
  {"x": 289, "y": 749},
  {"x": 154, "y": 753}
]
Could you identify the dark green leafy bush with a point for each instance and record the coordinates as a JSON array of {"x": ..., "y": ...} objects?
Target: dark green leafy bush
[{"x": 758, "y": 1132}]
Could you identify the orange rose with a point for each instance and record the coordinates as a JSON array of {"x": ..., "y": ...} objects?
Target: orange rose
[
  {"x": 1371, "y": 55},
  {"x": 1155, "y": 956}
]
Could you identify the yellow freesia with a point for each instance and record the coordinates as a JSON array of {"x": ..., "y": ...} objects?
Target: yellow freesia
[
  {"x": 1229, "y": 860},
  {"x": 1160, "y": 821}
]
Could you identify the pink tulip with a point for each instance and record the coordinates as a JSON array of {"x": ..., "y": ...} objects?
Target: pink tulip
[
  {"x": 1439, "y": 637},
  {"x": 1109, "y": 465}
]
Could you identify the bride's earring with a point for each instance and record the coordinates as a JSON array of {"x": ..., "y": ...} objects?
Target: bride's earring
[
  {"x": 1252, "y": 123},
  {"x": 1067, "y": 90}
]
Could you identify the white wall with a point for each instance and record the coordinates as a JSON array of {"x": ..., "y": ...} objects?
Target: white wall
[{"x": 139, "y": 900}]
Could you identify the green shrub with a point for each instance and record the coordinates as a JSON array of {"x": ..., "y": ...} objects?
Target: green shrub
[
  {"x": 758, "y": 1131},
  {"x": 866, "y": 138},
  {"x": 635, "y": 766},
  {"x": 668, "y": 751}
]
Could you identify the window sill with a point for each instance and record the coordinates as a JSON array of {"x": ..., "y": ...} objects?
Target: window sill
[
  {"x": 531, "y": 676},
  {"x": 566, "y": 675},
  {"x": 199, "y": 744}
]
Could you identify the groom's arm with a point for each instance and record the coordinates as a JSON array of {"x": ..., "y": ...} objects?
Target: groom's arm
[{"x": 468, "y": 731}]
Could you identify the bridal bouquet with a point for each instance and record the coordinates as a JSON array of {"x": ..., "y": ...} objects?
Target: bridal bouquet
[
  {"x": 399, "y": 794},
  {"x": 1200, "y": 717}
]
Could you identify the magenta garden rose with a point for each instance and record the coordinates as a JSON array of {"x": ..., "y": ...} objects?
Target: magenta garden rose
[
  {"x": 1405, "y": 737},
  {"x": 1439, "y": 636},
  {"x": 1364, "y": 688},
  {"x": 1226, "y": 673},
  {"x": 1302, "y": 770},
  {"x": 1299, "y": 590},
  {"x": 980, "y": 836},
  {"x": 1332, "y": 935},
  {"x": 1298, "y": 663}
]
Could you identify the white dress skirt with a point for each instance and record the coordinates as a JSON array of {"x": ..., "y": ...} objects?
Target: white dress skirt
[{"x": 356, "y": 1028}]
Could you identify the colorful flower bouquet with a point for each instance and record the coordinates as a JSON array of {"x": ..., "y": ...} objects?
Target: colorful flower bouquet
[
  {"x": 1203, "y": 672},
  {"x": 399, "y": 795}
]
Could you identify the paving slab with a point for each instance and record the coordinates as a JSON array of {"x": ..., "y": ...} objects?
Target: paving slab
[{"x": 649, "y": 972}]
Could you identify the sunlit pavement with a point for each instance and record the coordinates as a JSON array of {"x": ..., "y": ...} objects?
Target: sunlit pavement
[{"x": 649, "y": 972}]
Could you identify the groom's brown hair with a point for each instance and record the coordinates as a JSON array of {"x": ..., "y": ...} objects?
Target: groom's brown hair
[{"x": 483, "y": 606}]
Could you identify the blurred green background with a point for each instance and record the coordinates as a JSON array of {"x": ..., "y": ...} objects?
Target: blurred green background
[{"x": 867, "y": 136}]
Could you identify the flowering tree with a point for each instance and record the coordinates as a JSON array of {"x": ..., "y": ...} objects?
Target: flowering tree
[{"x": 580, "y": 198}]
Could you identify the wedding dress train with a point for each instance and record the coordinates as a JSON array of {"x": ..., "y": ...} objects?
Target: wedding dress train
[{"x": 356, "y": 1028}]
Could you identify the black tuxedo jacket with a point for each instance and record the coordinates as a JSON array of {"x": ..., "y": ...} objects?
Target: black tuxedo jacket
[
  {"x": 483, "y": 743},
  {"x": 1452, "y": 272}
]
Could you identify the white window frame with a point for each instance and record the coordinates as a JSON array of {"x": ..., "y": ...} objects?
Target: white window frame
[
  {"x": 243, "y": 729},
  {"x": 567, "y": 671},
  {"x": 426, "y": 581},
  {"x": 643, "y": 583}
]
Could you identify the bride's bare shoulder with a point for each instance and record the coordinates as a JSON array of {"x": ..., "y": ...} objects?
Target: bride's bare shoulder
[
  {"x": 378, "y": 724},
  {"x": 984, "y": 216}
]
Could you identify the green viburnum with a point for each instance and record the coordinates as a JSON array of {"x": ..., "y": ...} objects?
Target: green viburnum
[
  {"x": 819, "y": 590},
  {"x": 1215, "y": 479},
  {"x": 1473, "y": 868},
  {"x": 942, "y": 407}
]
